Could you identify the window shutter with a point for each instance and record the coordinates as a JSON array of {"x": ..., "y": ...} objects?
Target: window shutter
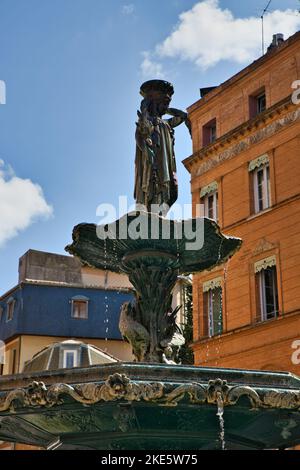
[
  {"x": 258, "y": 316},
  {"x": 207, "y": 287},
  {"x": 205, "y": 314}
]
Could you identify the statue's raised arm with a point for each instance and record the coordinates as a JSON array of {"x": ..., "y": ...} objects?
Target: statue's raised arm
[
  {"x": 155, "y": 165},
  {"x": 178, "y": 118}
]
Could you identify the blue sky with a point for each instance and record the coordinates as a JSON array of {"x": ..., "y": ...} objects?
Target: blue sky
[{"x": 72, "y": 70}]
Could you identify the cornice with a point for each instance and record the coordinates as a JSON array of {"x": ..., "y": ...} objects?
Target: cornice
[
  {"x": 57, "y": 284},
  {"x": 248, "y": 330},
  {"x": 240, "y": 139}
]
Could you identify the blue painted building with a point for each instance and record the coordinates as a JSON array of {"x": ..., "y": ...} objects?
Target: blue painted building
[
  {"x": 56, "y": 299},
  {"x": 49, "y": 310}
]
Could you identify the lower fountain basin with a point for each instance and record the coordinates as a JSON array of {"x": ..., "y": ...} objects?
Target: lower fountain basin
[{"x": 151, "y": 407}]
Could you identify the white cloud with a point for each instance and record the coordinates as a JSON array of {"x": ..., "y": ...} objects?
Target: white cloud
[
  {"x": 128, "y": 9},
  {"x": 21, "y": 203},
  {"x": 151, "y": 68},
  {"x": 208, "y": 34}
]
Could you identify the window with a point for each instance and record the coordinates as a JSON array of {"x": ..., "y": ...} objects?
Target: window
[
  {"x": 212, "y": 308},
  {"x": 210, "y": 202},
  {"x": 257, "y": 103},
  {"x": 70, "y": 358},
  {"x": 213, "y": 133},
  {"x": 261, "y": 103},
  {"x": 209, "y": 198},
  {"x": 2, "y": 356},
  {"x": 210, "y": 132},
  {"x": 13, "y": 361},
  {"x": 267, "y": 293},
  {"x": 80, "y": 307},
  {"x": 261, "y": 182},
  {"x": 10, "y": 309}
]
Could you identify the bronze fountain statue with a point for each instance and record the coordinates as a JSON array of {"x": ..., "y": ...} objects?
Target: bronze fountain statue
[
  {"x": 153, "y": 263},
  {"x": 155, "y": 164}
]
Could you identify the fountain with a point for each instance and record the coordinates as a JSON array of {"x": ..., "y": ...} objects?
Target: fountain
[
  {"x": 151, "y": 249},
  {"x": 152, "y": 403}
]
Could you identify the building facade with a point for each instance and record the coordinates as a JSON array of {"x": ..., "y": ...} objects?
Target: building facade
[
  {"x": 57, "y": 299},
  {"x": 245, "y": 174}
]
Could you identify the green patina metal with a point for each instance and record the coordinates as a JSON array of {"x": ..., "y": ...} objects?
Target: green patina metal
[
  {"x": 157, "y": 234},
  {"x": 153, "y": 407},
  {"x": 152, "y": 251}
]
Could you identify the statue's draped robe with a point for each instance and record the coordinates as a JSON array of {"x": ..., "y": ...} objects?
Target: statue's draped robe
[{"x": 155, "y": 165}]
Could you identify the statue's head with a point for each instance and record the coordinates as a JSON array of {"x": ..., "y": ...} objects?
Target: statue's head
[{"x": 159, "y": 95}]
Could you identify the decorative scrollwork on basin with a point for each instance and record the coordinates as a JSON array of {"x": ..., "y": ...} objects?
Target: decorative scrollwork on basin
[
  {"x": 230, "y": 395},
  {"x": 36, "y": 394},
  {"x": 120, "y": 387},
  {"x": 289, "y": 400},
  {"x": 116, "y": 387},
  {"x": 195, "y": 392}
]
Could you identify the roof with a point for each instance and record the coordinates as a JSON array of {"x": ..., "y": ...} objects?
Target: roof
[
  {"x": 52, "y": 357},
  {"x": 33, "y": 282}
]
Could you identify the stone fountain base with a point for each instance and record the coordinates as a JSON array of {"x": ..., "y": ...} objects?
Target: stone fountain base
[{"x": 150, "y": 407}]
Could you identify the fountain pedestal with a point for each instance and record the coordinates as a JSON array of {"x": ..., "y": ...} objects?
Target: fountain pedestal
[{"x": 153, "y": 275}]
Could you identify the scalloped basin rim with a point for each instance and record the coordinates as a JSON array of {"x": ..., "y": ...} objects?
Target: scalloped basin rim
[{"x": 96, "y": 252}]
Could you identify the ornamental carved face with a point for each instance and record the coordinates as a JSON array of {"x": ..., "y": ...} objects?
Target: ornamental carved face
[{"x": 118, "y": 383}]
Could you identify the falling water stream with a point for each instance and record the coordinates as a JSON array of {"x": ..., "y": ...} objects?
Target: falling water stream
[
  {"x": 105, "y": 296},
  {"x": 220, "y": 414},
  {"x": 223, "y": 314},
  {"x": 220, "y": 318},
  {"x": 177, "y": 246},
  {"x": 220, "y": 250},
  {"x": 226, "y": 268}
]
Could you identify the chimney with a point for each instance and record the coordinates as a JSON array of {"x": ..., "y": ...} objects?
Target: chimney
[
  {"x": 278, "y": 39},
  {"x": 205, "y": 91}
]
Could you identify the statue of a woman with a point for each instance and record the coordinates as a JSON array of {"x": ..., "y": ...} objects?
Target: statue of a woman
[{"x": 155, "y": 164}]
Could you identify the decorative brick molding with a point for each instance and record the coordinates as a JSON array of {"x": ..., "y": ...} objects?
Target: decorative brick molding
[
  {"x": 212, "y": 187},
  {"x": 258, "y": 162},
  {"x": 265, "y": 263},
  {"x": 209, "y": 157}
]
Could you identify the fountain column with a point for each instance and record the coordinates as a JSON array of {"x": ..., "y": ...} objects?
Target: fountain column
[{"x": 153, "y": 275}]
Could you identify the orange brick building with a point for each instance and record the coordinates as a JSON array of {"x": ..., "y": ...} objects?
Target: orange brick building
[{"x": 245, "y": 170}]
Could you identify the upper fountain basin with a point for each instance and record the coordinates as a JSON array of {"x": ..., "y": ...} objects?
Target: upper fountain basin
[{"x": 192, "y": 245}]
